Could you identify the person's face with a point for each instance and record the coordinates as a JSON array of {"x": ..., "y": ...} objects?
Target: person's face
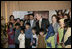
[
  {"x": 31, "y": 17},
  {"x": 26, "y": 17},
  {"x": 54, "y": 19},
  {"x": 61, "y": 24},
  {"x": 27, "y": 26},
  {"x": 21, "y": 22},
  {"x": 59, "y": 13},
  {"x": 65, "y": 17},
  {"x": 10, "y": 26},
  {"x": 17, "y": 27},
  {"x": 12, "y": 18},
  {"x": 18, "y": 20},
  {"x": 38, "y": 16},
  {"x": 47, "y": 29},
  {"x": 33, "y": 31},
  {"x": 22, "y": 31},
  {"x": 41, "y": 33}
]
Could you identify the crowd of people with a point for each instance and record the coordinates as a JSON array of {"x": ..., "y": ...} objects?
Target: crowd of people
[{"x": 39, "y": 32}]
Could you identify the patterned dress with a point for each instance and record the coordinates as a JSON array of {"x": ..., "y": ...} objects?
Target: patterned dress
[{"x": 41, "y": 42}]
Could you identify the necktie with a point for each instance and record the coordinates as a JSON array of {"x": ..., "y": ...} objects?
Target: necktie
[{"x": 40, "y": 24}]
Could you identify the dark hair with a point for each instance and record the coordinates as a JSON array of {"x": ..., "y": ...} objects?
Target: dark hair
[
  {"x": 15, "y": 19},
  {"x": 55, "y": 16},
  {"x": 41, "y": 30},
  {"x": 21, "y": 20},
  {"x": 18, "y": 18},
  {"x": 11, "y": 16},
  {"x": 34, "y": 28},
  {"x": 31, "y": 14},
  {"x": 60, "y": 12},
  {"x": 67, "y": 16},
  {"x": 10, "y": 24},
  {"x": 67, "y": 23},
  {"x": 17, "y": 24},
  {"x": 47, "y": 26},
  {"x": 28, "y": 24},
  {"x": 22, "y": 30}
]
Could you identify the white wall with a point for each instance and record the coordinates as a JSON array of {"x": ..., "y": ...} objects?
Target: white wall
[
  {"x": 51, "y": 12},
  {"x": 20, "y": 14}
]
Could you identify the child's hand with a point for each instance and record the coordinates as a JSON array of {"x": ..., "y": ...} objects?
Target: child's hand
[
  {"x": 36, "y": 47},
  {"x": 31, "y": 43},
  {"x": 63, "y": 45},
  {"x": 20, "y": 39},
  {"x": 44, "y": 35},
  {"x": 58, "y": 43}
]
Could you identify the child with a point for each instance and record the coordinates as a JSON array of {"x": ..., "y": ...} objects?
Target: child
[
  {"x": 17, "y": 32},
  {"x": 10, "y": 32},
  {"x": 41, "y": 39},
  {"x": 35, "y": 38},
  {"x": 21, "y": 39},
  {"x": 22, "y": 24},
  {"x": 28, "y": 36},
  {"x": 18, "y": 20}
]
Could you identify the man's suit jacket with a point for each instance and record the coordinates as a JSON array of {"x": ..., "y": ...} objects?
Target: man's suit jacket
[
  {"x": 26, "y": 21},
  {"x": 44, "y": 23}
]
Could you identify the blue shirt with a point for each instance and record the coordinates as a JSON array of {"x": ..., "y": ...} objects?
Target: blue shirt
[
  {"x": 28, "y": 34},
  {"x": 17, "y": 32}
]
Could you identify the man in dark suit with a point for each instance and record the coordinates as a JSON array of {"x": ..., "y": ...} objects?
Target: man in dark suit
[
  {"x": 41, "y": 23},
  {"x": 26, "y": 19},
  {"x": 32, "y": 21}
]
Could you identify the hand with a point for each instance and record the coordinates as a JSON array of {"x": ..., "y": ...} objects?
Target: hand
[
  {"x": 44, "y": 35},
  {"x": 31, "y": 43},
  {"x": 63, "y": 45},
  {"x": 58, "y": 43},
  {"x": 36, "y": 47},
  {"x": 20, "y": 39}
]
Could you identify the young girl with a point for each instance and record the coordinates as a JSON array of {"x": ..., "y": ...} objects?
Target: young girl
[
  {"x": 10, "y": 32},
  {"x": 21, "y": 39},
  {"x": 41, "y": 40},
  {"x": 35, "y": 38},
  {"x": 22, "y": 24}
]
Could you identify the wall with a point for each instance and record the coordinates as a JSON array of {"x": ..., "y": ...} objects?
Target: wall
[{"x": 33, "y": 6}]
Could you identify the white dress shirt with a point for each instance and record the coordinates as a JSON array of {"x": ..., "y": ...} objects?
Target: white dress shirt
[
  {"x": 40, "y": 22},
  {"x": 31, "y": 22}
]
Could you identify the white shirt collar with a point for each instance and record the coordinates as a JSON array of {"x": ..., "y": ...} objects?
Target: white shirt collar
[
  {"x": 40, "y": 20},
  {"x": 32, "y": 20}
]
